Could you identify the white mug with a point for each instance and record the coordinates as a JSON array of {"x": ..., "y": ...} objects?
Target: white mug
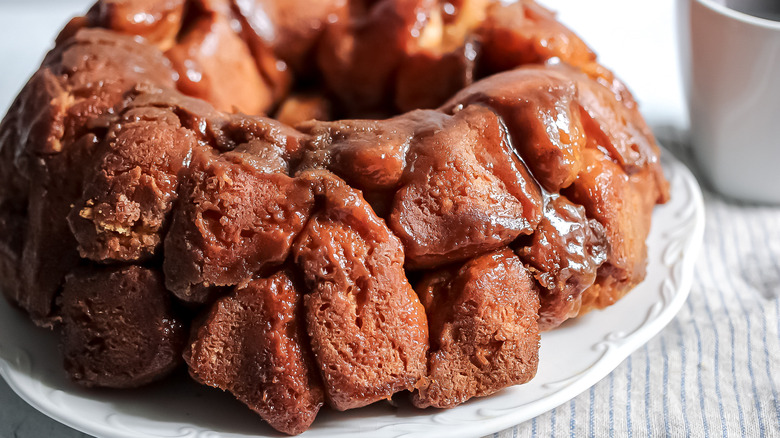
[{"x": 731, "y": 71}]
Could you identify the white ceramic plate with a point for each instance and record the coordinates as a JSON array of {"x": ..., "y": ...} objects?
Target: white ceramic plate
[{"x": 572, "y": 358}]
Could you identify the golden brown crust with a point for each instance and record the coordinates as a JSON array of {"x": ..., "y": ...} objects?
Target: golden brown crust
[
  {"x": 484, "y": 334},
  {"x": 361, "y": 311},
  {"x": 464, "y": 191},
  {"x": 253, "y": 344}
]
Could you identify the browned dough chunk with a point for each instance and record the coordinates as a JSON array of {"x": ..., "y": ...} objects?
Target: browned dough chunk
[
  {"x": 426, "y": 80},
  {"x": 464, "y": 192},
  {"x": 523, "y": 32},
  {"x": 249, "y": 20},
  {"x": 368, "y": 154},
  {"x": 252, "y": 343},
  {"x": 157, "y": 21},
  {"x": 367, "y": 327},
  {"x": 263, "y": 143},
  {"x": 118, "y": 330},
  {"x": 359, "y": 54},
  {"x": 623, "y": 204},
  {"x": 371, "y": 155},
  {"x": 215, "y": 64},
  {"x": 484, "y": 333},
  {"x": 539, "y": 106},
  {"x": 52, "y": 135},
  {"x": 238, "y": 213},
  {"x": 125, "y": 204},
  {"x": 221, "y": 131},
  {"x": 291, "y": 28},
  {"x": 85, "y": 78},
  {"x": 563, "y": 255},
  {"x": 612, "y": 122},
  {"x": 444, "y": 57},
  {"x": 400, "y": 54}
]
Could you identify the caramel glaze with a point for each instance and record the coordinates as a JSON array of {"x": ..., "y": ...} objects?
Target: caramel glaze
[
  {"x": 361, "y": 310},
  {"x": 507, "y": 166},
  {"x": 484, "y": 330},
  {"x": 563, "y": 254},
  {"x": 251, "y": 343}
]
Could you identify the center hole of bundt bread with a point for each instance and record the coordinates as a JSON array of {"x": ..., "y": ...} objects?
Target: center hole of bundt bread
[{"x": 357, "y": 60}]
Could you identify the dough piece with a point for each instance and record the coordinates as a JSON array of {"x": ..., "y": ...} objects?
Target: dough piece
[
  {"x": 238, "y": 214},
  {"x": 118, "y": 328},
  {"x": 252, "y": 343},
  {"x": 368, "y": 329},
  {"x": 465, "y": 192},
  {"x": 484, "y": 334}
]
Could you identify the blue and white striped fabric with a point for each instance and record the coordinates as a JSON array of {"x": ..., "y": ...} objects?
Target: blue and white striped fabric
[{"x": 715, "y": 369}]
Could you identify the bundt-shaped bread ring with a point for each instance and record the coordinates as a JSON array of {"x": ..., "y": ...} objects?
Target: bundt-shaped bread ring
[{"x": 357, "y": 197}]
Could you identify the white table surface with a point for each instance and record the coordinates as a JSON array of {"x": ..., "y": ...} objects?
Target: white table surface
[{"x": 635, "y": 38}]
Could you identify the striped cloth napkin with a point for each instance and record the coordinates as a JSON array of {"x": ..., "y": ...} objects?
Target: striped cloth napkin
[{"x": 715, "y": 369}]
